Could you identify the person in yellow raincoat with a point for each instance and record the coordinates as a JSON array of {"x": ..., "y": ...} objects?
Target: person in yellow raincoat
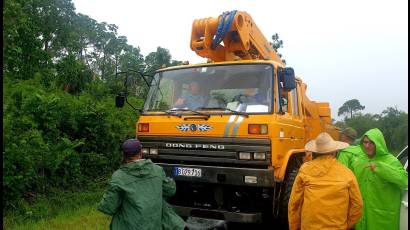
[{"x": 325, "y": 194}]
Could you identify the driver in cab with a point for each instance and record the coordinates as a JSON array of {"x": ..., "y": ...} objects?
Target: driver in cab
[
  {"x": 250, "y": 96},
  {"x": 191, "y": 99}
]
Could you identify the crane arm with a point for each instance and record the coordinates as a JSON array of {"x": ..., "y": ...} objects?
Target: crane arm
[{"x": 241, "y": 38}]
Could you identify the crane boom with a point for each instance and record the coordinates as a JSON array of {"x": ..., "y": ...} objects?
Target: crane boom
[{"x": 242, "y": 39}]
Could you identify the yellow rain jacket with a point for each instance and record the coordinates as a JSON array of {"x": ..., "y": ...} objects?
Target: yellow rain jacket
[{"x": 325, "y": 195}]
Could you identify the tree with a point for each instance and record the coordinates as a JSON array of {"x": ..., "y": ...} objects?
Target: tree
[
  {"x": 158, "y": 59},
  {"x": 350, "y": 107},
  {"x": 363, "y": 122},
  {"x": 55, "y": 22},
  {"x": 394, "y": 125},
  {"x": 86, "y": 36},
  {"x": 131, "y": 58},
  {"x": 392, "y": 122},
  {"x": 276, "y": 44},
  {"x": 73, "y": 75},
  {"x": 104, "y": 48},
  {"x": 21, "y": 47}
]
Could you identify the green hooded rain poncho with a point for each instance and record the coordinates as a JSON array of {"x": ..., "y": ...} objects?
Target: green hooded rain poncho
[
  {"x": 347, "y": 155},
  {"x": 381, "y": 188},
  {"x": 135, "y": 198}
]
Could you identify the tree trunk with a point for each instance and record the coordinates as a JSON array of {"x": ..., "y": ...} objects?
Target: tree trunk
[
  {"x": 116, "y": 65},
  {"x": 103, "y": 67}
]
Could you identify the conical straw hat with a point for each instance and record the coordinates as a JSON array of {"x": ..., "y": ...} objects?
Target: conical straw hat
[{"x": 324, "y": 143}]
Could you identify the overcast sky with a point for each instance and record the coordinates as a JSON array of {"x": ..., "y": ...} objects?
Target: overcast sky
[{"x": 342, "y": 49}]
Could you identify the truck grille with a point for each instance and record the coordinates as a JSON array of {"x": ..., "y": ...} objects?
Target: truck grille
[{"x": 206, "y": 151}]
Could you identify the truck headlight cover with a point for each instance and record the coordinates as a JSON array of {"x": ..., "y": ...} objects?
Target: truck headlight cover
[
  {"x": 145, "y": 150},
  {"x": 244, "y": 156},
  {"x": 251, "y": 179},
  {"x": 153, "y": 151},
  {"x": 259, "y": 156}
]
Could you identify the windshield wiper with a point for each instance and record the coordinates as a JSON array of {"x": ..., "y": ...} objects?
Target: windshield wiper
[
  {"x": 172, "y": 113},
  {"x": 225, "y": 109},
  {"x": 174, "y": 110}
]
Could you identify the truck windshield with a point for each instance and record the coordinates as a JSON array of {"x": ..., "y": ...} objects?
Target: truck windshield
[{"x": 241, "y": 87}]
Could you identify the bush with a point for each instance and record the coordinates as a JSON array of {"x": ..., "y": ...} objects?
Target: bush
[{"x": 56, "y": 140}]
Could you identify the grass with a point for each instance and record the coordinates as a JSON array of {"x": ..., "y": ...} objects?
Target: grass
[
  {"x": 62, "y": 210},
  {"x": 83, "y": 218}
]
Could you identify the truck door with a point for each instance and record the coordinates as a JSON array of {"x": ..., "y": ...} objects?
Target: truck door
[
  {"x": 297, "y": 132},
  {"x": 283, "y": 138}
]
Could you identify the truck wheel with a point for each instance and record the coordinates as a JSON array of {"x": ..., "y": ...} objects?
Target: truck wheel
[{"x": 287, "y": 190}]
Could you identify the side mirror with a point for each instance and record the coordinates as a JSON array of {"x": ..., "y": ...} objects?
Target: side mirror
[
  {"x": 120, "y": 100},
  {"x": 287, "y": 77}
]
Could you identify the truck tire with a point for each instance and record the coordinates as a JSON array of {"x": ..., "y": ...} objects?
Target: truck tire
[{"x": 287, "y": 185}]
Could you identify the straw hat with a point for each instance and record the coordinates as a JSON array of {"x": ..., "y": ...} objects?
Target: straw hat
[{"x": 324, "y": 143}]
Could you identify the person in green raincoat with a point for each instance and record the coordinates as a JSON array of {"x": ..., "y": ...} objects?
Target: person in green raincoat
[
  {"x": 345, "y": 156},
  {"x": 135, "y": 196},
  {"x": 381, "y": 178}
]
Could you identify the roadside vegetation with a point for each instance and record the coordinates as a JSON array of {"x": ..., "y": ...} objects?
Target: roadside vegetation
[
  {"x": 62, "y": 132},
  {"x": 391, "y": 121},
  {"x": 60, "y": 210}
]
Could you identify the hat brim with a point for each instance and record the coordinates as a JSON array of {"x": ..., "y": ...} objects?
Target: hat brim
[{"x": 331, "y": 147}]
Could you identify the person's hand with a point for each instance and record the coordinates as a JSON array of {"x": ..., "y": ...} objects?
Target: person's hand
[{"x": 372, "y": 166}]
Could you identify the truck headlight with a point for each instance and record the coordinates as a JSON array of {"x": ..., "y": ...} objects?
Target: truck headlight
[
  {"x": 259, "y": 156},
  {"x": 244, "y": 156},
  {"x": 145, "y": 151},
  {"x": 153, "y": 151},
  {"x": 251, "y": 179}
]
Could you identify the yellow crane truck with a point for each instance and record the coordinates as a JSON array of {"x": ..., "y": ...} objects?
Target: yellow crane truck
[{"x": 231, "y": 131}]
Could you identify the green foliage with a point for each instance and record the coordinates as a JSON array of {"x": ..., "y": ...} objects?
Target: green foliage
[
  {"x": 85, "y": 217},
  {"x": 363, "y": 122},
  {"x": 58, "y": 207},
  {"x": 350, "y": 107},
  {"x": 53, "y": 139},
  {"x": 21, "y": 48},
  {"x": 73, "y": 75},
  {"x": 157, "y": 60},
  {"x": 392, "y": 122},
  {"x": 276, "y": 44},
  {"x": 61, "y": 129}
]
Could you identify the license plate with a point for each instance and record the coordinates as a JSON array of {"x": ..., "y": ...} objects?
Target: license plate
[{"x": 190, "y": 172}]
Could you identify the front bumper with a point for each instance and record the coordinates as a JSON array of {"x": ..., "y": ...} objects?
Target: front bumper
[
  {"x": 224, "y": 175},
  {"x": 238, "y": 217}
]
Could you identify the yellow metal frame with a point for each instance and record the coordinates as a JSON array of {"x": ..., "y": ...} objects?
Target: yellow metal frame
[{"x": 249, "y": 45}]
